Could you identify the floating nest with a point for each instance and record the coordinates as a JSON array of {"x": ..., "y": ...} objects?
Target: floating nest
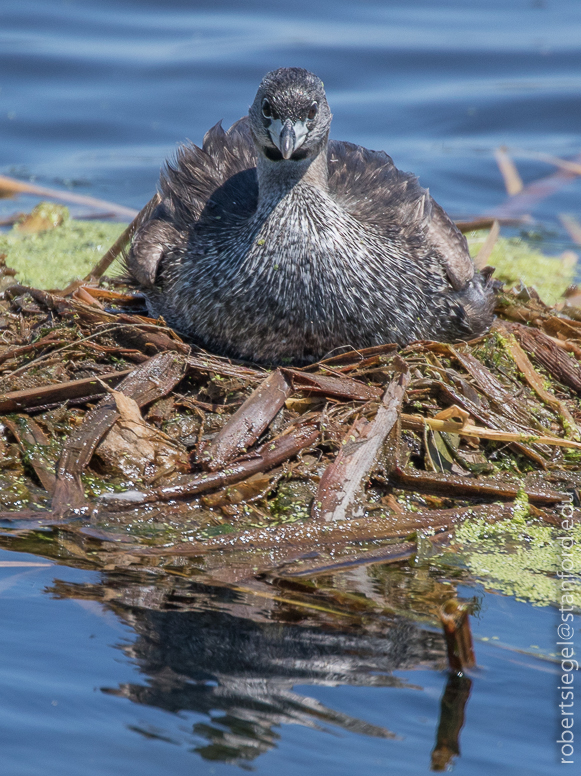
[
  {"x": 114, "y": 424},
  {"x": 132, "y": 449}
]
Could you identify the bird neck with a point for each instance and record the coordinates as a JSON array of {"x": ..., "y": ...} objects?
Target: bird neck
[{"x": 277, "y": 178}]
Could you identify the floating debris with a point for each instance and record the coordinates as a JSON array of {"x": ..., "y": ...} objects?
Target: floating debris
[
  {"x": 434, "y": 425},
  {"x": 456, "y": 624}
]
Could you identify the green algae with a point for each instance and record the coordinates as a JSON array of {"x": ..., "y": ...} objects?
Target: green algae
[
  {"x": 515, "y": 260},
  {"x": 292, "y": 501},
  {"x": 14, "y": 493},
  {"x": 520, "y": 557},
  {"x": 53, "y": 257}
]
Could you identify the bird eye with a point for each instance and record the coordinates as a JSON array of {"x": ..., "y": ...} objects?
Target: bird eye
[
  {"x": 313, "y": 111},
  {"x": 268, "y": 111}
]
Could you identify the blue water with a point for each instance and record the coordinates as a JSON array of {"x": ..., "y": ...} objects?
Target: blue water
[
  {"x": 96, "y": 94},
  {"x": 93, "y": 96},
  {"x": 104, "y": 689}
]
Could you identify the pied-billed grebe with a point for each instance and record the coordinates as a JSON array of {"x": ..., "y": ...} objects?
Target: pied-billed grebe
[{"x": 274, "y": 244}]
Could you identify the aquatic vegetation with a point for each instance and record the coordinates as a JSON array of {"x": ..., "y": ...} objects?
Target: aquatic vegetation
[
  {"x": 515, "y": 260},
  {"x": 519, "y": 556},
  {"x": 65, "y": 250}
]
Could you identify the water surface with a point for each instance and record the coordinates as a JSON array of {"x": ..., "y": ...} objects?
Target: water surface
[{"x": 128, "y": 687}]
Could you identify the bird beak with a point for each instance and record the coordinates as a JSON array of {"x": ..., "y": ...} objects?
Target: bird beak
[{"x": 288, "y": 137}]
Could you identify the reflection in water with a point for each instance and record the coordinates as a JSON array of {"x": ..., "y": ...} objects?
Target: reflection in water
[
  {"x": 453, "y": 704},
  {"x": 223, "y": 656}
]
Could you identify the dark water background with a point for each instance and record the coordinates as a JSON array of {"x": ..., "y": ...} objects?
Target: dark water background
[{"x": 93, "y": 96}]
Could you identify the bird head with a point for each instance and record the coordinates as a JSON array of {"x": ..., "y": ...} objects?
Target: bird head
[{"x": 290, "y": 116}]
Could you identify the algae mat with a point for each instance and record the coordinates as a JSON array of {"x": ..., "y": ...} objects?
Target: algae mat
[{"x": 60, "y": 253}]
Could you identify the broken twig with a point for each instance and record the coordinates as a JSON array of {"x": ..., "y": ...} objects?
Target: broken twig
[{"x": 343, "y": 481}]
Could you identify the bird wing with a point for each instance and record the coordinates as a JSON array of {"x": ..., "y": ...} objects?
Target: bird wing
[
  {"x": 191, "y": 180},
  {"x": 218, "y": 176},
  {"x": 370, "y": 187},
  {"x": 452, "y": 245}
]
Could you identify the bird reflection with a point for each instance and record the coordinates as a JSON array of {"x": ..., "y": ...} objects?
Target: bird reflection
[{"x": 217, "y": 654}]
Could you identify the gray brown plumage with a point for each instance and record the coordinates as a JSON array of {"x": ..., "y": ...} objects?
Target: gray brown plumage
[{"x": 274, "y": 244}]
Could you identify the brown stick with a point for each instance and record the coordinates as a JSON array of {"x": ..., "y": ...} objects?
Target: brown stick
[
  {"x": 486, "y": 417},
  {"x": 491, "y": 386},
  {"x": 122, "y": 241},
  {"x": 461, "y": 487},
  {"x": 147, "y": 339},
  {"x": 23, "y": 349},
  {"x": 343, "y": 481},
  {"x": 485, "y": 222},
  {"x": 248, "y": 422},
  {"x": 522, "y": 203},
  {"x": 31, "y": 439},
  {"x": 60, "y": 392},
  {"x": 35, "y": 516},
  {"x": 343, "y": 388},
  {"x": 352, "y": 357},
  {"x": 269, "y": 455},
  {"x": 535, "y": 381},
  {"x": 20, "y": 187},
  {"x": 148, "y": 382},
  {"x": 42, "y": 297},
  {"x": 312, "y": 532},
  {"x": 477, "y": 432},
  {"x": 213, "y": 365},
  {"x": 393, "y": 553},
  {"x": 456, "y": 625},
  {"x": 572, "y": 226},
  {"x": 452, "y": 711},
  {"x": 481, "y": 260},
  {"x": 561, "y": 366},
  {"x": 563, "y": 164},
  {"x": 509, "y": 172}
]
